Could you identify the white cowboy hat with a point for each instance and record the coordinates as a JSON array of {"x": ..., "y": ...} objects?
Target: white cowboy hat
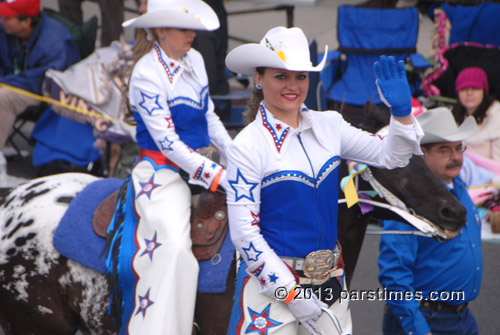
[
  {"x": 281, "y": 48},
  {"x": 439, "y": 125},
  {"x": 182, "y": 14}
]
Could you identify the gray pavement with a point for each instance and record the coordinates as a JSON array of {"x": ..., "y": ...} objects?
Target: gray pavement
[{"x": 319, "y": 21}]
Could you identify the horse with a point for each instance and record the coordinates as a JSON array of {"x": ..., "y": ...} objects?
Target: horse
[{"x": 43, "y": 292}]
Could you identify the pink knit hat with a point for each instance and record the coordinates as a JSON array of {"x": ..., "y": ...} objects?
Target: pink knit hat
[{"x": 472, "y": 77}]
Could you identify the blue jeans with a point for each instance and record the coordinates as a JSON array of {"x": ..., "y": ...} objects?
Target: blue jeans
[{"x": 440, "y": 323}]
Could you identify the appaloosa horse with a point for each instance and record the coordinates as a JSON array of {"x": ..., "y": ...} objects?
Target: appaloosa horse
[{"x": 43, "y": 292}]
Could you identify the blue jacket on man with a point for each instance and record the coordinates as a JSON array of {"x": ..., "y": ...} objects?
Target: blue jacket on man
[
  {"x": 23, "y": 64},
  {"x": 448, "y": 272}
]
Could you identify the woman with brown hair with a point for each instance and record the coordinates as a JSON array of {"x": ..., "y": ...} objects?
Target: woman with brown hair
[
  {"x": 474, "y": 99},
  {"x": 283, "y": 175}
]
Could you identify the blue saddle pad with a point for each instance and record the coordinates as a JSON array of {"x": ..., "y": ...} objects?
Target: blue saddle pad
[{"x": 74, "y": 237}]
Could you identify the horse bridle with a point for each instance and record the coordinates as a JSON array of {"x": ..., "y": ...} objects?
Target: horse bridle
[{"x": 425, "y": 227}]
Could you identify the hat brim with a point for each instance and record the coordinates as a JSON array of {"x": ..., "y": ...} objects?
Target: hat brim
[
  {"x": 246, "y": 58},
  {"x": 171, "y": 18},
  {"x": 466, "y": 130}
]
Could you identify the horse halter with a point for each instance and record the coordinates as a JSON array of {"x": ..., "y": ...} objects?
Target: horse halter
[{"x": 425, "y": 227}]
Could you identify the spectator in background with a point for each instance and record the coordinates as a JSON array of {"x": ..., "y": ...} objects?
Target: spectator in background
[
  {"x": 472, "y": 90},
  {"x": 112, "y": 15},
  {"x": 422, "y": 265},
  {"x": 30, "y": 44},
  {"x": 213, "y": 47}
]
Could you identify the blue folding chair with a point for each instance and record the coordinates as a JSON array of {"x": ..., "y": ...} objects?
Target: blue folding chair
[{"x": 364, "y": 34}]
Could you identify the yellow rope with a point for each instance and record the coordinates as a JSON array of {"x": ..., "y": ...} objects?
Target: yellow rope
[
  {"x": 483, "y": 186},
  {"x": 56, "y": 102}
]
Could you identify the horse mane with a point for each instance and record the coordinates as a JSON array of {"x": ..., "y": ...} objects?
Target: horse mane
[{"x": 375, "y": 117}]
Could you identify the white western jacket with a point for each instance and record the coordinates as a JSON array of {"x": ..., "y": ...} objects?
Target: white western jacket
[{"x": 174, "y": 113}]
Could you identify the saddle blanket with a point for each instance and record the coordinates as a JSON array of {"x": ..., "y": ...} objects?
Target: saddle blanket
[{"x": 75, "y": 238}]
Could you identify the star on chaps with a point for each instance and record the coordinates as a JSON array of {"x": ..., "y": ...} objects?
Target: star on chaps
[
  {"x": 261, "y": 322},
  {"x": 147, "y": 188}
]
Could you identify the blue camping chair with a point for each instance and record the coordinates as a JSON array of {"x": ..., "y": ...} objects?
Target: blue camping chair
[
  {"x": 364, "y": 34},
  {"x": 474, "y": 23}
]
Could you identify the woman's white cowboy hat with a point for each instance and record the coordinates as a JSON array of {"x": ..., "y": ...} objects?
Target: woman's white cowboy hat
[
  {"x": 181, "y": 14},
  {"x": 439, "y": 125},
  {"x": 281, "y": 48}
]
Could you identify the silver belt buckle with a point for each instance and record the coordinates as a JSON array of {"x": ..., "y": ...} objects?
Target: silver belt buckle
[{"x": 318, "y": 264}]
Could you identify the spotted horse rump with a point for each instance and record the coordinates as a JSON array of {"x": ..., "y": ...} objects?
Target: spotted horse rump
[
  {"x": 41, "y": 291},
  {"x": 44, "y": 291}
]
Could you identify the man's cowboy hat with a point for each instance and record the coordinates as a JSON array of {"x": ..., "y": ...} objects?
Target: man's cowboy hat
[
  {"x": 439, "y": 125},
  {"x": 181, "y": 14},
  {"x": 280, "y": 48}
]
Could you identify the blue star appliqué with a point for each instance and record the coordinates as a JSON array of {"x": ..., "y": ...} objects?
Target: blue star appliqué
[
  {"x": 261, "y": 322},
  {"x": 151, "y": 245},
  {"x": 144, "y": 304},
  {"x": 252, "y": 253},
  {"x": 243, "y": 187},
  {"x": 273, "y": 277},
  {"x": 166, "y": 144},
  {"x": 150, "y": 104},
  {"x": 147, "y": 188}
]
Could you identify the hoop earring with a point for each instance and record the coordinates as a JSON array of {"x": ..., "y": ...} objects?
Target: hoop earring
[{"x": 258, "y": 86}]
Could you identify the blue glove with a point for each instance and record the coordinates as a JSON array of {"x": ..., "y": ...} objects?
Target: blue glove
[{"x": 393, "y": 86}]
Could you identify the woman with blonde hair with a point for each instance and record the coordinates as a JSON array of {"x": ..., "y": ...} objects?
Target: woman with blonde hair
[{"x": 156, "y": 270}]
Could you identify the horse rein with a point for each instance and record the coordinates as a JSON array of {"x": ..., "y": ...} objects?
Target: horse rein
[{"x": 425, "y": 227}]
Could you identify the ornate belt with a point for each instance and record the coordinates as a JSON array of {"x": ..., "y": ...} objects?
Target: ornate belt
[{"x": 318, "y": 266}]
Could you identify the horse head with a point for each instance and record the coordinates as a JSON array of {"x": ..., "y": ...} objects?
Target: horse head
[{"x": 424, "y": 195}]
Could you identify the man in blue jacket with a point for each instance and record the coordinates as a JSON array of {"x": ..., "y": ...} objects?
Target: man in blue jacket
[
  {"x": 30, "y": 44},
  {"x": 436, "y": 279}
]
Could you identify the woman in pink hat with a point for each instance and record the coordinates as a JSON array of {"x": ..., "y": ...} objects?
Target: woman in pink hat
[
  {"x": 472, "y": 90},
  {"x": 151, "y": 253},
  {"x": 283, "y": 175}
]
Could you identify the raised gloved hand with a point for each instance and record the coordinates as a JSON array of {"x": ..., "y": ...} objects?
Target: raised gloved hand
[
  {"x": 308, "y": 312},
  {"x": 393, "y": 86}
]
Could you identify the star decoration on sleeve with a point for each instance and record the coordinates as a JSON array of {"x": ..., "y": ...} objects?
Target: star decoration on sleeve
[
  {"x": 150, "y": 104},
  {"x": 151, "y": 246},
  {"x": 255, "y": 218},
  {"x": 261, "y": 322},
  {"x": 273, "y": 277},
  {"x": 144, "y": 304},
  {"x": 242, "y": 188},
  {"x": 252, "y": 253},
  {"x": 147, "y": 188},
  {"x": 170, "y": 122},
  {"x": 258, "y": 271},
  {"x": 166, "y": 144}
]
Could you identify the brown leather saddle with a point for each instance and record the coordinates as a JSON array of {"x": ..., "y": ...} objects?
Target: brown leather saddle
[{"x": 209, "y": 224}]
